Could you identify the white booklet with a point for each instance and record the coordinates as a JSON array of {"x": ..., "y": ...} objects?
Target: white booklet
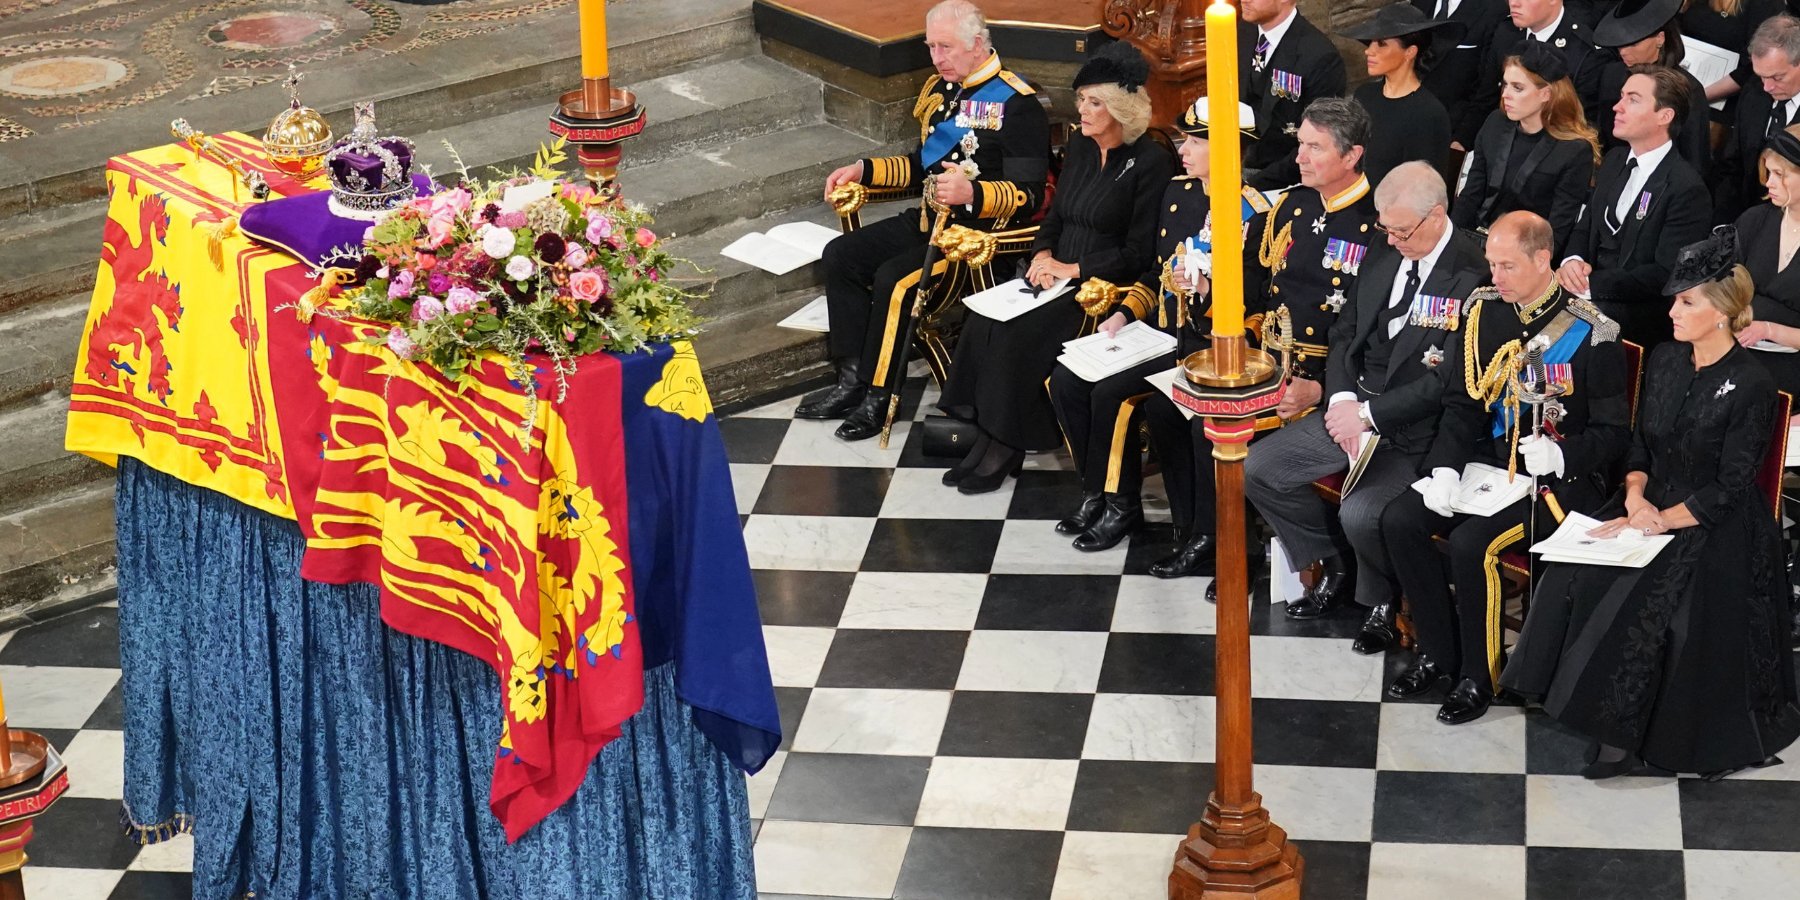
[
  {"x": 1707, "y": 62},
  {"x": 1484, "y": 490},
  {"x": 783, "y": 248},
  {"x": 814, "y": 316},
  {"x": 1010, "y": 300},
  {"x": 1793, "y": 446},
  {"x": 1097, "y": 356},
  {"x": 1164, "y": 382},
  {"x": 1768, "y": 346},
  {"x": 1572, "y": 543}
]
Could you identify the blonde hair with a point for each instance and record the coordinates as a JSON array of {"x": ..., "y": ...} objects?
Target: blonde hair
[
  {"x": 1731, "y": 296},
  {"x": 1131, "y": 109},
  {"x": 1728, "y": 8}
]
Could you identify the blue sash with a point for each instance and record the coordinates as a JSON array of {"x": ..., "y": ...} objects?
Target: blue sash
[
  {"x": 1560, "y": 352},
  {"x": 945, "y": 136}
]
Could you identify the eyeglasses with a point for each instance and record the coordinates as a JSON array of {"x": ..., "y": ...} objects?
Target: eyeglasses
[{"x": 1396, "y": 235}]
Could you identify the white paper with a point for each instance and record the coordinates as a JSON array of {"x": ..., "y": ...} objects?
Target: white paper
[
  {"x": 1572, "y": 543},
  {"x": 1098, "y": 356},
  {"x": 1793, "y": 446},
  {"x": 519, "y": 196},
  {"x": 814, "y": 316},
  {"x": 768, "y": 254},
  {"x": 1164, "y": 382},
  {"x": 1007, "y": 301},
  {"x": 1707, "y": 62},
  {"x": 1284, "y": 582},
  {"x": 1768, "y": 346},
  {"x": 1483, "y": 490},
  {"x": 810, "y": 236}
]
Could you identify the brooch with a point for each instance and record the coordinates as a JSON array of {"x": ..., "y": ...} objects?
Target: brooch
[
  {"x": 1318, "y": 225},
  {"x": 1724, "y": 389},
  {"x": 1554, "y": 411},
  {"x": 1561, "y": 43},
  {"x": 1291, "y": 128},
  {"x": 1433, "y": 357},
  {"x": 1337, "y": 300}
]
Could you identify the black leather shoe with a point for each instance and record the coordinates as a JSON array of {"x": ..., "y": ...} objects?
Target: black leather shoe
[
  {"x": 864, "y": 422},
  {"x": 1421, "y": 676},
  {"x": 1597, "y": 771},
  {"x": 1084, "y": 515},
  {"x": 1467, "y": 702},
  {"x": 837, "y": 401},
  {"x": 980, "y": 482},
  {"x": 1378, "y": 631},
  {"x": 1124, "y": 514},
  {"x": 1212, "y": 591},
  {"x": 1187, "y": 559},
  {"x": 1323, "y": 598}
]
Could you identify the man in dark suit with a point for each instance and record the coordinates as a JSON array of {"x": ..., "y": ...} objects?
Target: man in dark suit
[
  {"x": 1284, "y": 63},
  {"x": 1547, "y": 22},
  {"x": 1766, "y": 105},
  {"x": 1380, "y": 378},
  {"x": 1449, "y": 78},
  {"x": 1591, "y": 424},
  {"x": 1648, "y": 203}
]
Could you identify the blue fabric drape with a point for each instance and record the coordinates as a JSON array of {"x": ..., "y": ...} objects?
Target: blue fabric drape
[{"x": 319, "y": 755}]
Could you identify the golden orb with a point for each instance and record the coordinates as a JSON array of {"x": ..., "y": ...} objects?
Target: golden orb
[{"x": 298, "y": 137}]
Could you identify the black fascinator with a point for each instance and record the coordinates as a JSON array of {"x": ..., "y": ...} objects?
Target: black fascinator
[
  {"x": 1117, "y": 63},
  {"x": 1545, "y": 63},
  {"x": 1703, "y": 261}
]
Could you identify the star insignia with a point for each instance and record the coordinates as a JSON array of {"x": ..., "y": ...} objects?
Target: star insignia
[
  {"x": 1724, "y": 389},
  {"x": 1337, "y": 300},
  {"x": 1433, "y": 357},
  {"x": 1554, "y": 411},
  {"x": 1318, "y": 225}
]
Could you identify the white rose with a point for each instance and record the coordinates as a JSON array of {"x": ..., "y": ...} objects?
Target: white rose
[{"x": 498, "y": 242}]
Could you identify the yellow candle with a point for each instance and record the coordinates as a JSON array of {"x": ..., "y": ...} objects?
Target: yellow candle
[
  {"x": 593, "y": 38},
  {"x": 1227, "y": 170}
]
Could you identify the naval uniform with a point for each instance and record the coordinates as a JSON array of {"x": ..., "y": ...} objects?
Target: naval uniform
[
  {"x": 1305, "y": 253},
  {"x": 993, "y": 124}
]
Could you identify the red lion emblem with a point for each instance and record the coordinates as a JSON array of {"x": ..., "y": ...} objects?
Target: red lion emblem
[{"x": 138, "y": 294}]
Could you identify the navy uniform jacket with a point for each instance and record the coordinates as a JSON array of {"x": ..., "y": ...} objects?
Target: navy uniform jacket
[
  {"x": 1306, "y": 65},
  {"x": 1305, "y": 253}
]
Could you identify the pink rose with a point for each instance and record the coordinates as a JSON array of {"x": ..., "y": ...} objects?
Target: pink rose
[
  {"x": 587, "y": 285},
  {"x": 401, "y": 285},
  {"x": 427, "y": 308},
  {"x": 437, "y": 231},
  {"x": 645, "y": 237},
  {"x": 447, "y": 204},
  {"x": 599, "y": 230},
  {"x": 569, "y": 334},
  {"x": 580, "y": 193},
  {"x": 402, "y": 345},
  {"x": 575, "y": 257},
  {"x": 461, "y": 300}
]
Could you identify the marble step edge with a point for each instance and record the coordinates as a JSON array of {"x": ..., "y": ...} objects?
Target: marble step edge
[
  {"x": 33, "y": 463},
  {"x": 60, "y": 551}
]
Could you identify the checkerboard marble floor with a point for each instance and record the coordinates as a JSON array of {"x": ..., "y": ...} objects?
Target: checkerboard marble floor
[{"x": 974, "y": 709}]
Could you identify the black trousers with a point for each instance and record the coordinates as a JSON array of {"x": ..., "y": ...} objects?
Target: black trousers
[
  {"x": 1100, "y": 421},
  {"x": 1187, "y": 465},
  {"x": 1463, "y": 633},
  {"x": 869, "y": 277}
]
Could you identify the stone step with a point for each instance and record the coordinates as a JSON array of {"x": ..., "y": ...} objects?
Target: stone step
[
  {"x": 40, "y": 349},
  {"x": 33, "y": 463},
  {"x": 746, "y": 355},
  {"x": 51, "y": 253},
  {"x": 54, "y": 554}
]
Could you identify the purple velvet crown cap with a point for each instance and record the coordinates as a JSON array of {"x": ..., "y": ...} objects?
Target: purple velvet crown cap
[{"x": 368, "y": 166}]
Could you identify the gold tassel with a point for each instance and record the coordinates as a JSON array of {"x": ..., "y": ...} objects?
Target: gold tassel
[
  {"x": 319, "y": 297},
  {"x": 216, "y": 233}
]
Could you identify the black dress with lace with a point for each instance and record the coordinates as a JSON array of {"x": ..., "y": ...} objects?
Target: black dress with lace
[{"x": 1684, "y": 661}]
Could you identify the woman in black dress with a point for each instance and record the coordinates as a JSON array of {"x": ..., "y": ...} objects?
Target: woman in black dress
[
  {"x": 1682, "y": 664},
  {"x": 1537, "y": 152},
  {"x": 1407, "y": 121},
  {"x": 1768, "y": 236},
  {"x": 1101, "y": 224}
]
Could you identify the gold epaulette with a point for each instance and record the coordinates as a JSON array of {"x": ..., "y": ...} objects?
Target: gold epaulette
[
  {"x": 1605, "y": 330},
  {"x": 1018, "y": 84},
  {"x": 1258, "y": 202}
]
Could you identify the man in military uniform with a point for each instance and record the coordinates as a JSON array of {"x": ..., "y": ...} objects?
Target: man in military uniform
[
  {"x": 1586, "y": 433},
  {"x": 1284, "y": 63},
  {"x": 985, "y": 136},
  {"x": 1566, "y": 30}
]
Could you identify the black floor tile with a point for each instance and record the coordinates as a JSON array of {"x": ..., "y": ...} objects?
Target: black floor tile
[
  {"x": 81, "y": 833},
  {"x": 89, "y": 638},
  {"x": 1048, "y": 602},
  {"x": 823, "y": 491},
  {"x": 751, "y": 440},
  {"x": 1151, "y": 543},
  {"x": 1740, "y": 815},
  {"x": 897, "y": 658},
  {"x": 1569, "y": 873},
  {"x": 1148, "y": 797},
  {"x": 110, "y": 714},
  {"x": 1335, "y": 870},
  {"x": 154, "y": 886},
  {"x": 1016, "y": 724},
  {"x": 791, "y": 702},
  {"x": 804, "y": 598},
  {"x": 1315, "y": 732},
  {"x": 59, "y": 737},
  {"x": 979, "y": 864},
  {"x": 1271, "y": 618},
  {"x": 1158, "y": 664},
  {"x": 1552, "y": 748},
  {"x": 1045, "y": 494},
  {"x": 855, "y": 788},
  {"x": 1449, "y": 808},
  {"x": 932, "y": 545}
]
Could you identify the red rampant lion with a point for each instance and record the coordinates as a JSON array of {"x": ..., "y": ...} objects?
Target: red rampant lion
[{"x": 138, "y": 294}]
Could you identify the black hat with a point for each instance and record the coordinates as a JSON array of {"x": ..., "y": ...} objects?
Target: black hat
[
  {"x": 1117, "y": 63},
  {"x": 1784, "y": 145},
  {"x": 1400, "y": 20},
  {"x": 1540, "y": 60},
  {"x": 1633, "y": 20},
  {"x": 1197, "y": 119},
  {"x": 1704, "y": 261}
]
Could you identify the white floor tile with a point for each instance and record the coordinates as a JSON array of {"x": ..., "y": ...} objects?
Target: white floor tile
[
  {"x": 780, "y": 409},
  {"x": 1740, "y": 875},
  {"x": 1150, "y": 728},
  {"x": 1320, "y": 803},
  {"x": 971, "y": 792},
  {"x": 1054, "y": 461},
  {"x": 54, "y": 696},
  {"x": 1444, "y": 871},
  {"x": 918, "y": 600},
  {"x": 1413, "y": 740},
  {"x": 747, "y": 484},
  {"x": 1622, "y": 813},
  {"x": 1032, "y": 547},
  {"x": 1061, "y": 661},
  {"x": 1303, "y": 668},
  {"x": 762, "y": 785},
  {"x": 1115, "y": 866},
  {"x": 796, "y": 654},
  {"x": 828, "y": 543},
  {"x": 1164, "y": 606},
  {"x": 823, "y": 858},
  {"x": 922, "y": 494},
  {"x": 173, "y": 855},
  {"x": 809, "y": 443},
  {"x": 70, "y": 884},
  {"x": 96, "y": 761},
  {"x": 896, "y": 723}
]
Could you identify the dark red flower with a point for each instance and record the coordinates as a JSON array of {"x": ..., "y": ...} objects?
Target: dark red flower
[{"x": 550, "y": 247}]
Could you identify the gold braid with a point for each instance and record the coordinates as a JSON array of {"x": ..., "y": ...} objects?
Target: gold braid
[
  {"x": 1491, "y": 384},
  {"x": 1273, "y": 252}
]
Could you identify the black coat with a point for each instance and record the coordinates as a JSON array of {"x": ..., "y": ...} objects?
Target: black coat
[
  {"x": 1777, "y": 289},
  {"x": 1452, "y": 77},
  {"x": 1627, "y": 281},
  {"x": 1406, "y": 403},
  {"x": 1553, "y": 181},
  {"x": 1736, "y": 179},
  {"x": 1693, "y": 130},
  {"x": 1305, "y": 52},
  {"x": 1585, "y": 62}
]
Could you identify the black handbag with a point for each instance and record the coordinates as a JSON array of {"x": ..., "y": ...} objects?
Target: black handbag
[{"x": 946, "y": 437}]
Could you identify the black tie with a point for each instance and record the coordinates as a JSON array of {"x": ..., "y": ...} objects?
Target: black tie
[
  {"x": 1408, "y": 294},
  {"x": 1778, "y": 117},
  {"x": 1612, "y": 209}
]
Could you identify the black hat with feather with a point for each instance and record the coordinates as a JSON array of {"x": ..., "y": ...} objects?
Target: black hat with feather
[
  {"x": 1703, "y": 261},
  {"x": 1117, "y": 63}
]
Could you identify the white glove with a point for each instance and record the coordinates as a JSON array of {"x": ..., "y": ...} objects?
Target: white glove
[
  {"x": 1542, "y": 455},
  {"x": 1442, "y": 491}
]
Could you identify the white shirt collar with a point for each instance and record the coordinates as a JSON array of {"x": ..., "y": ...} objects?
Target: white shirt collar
[
  {"x": 1649, "y": 160},
  {"x": 1276, "y": 33},
  {"x": 1429, "y": 260},
  {"x": 1549, "y": 30}
]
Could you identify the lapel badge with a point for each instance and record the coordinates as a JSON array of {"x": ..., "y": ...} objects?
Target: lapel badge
[
  {"x": 1291, "y": 128},
  {"x": 1561, "y": 43},
  {"x": 1337, "y": 300},
  {"x": 1433, "y": 357},
  {"x": 1724, "y": 389},
  {"x": 1643, "y": 205}
]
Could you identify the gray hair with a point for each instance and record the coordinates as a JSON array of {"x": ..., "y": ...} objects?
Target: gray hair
[
  {"x": 1415, "y": 186},
  {"x": 1342, "y": 118},
  {"x": 1130, "y": 108},
  {"x": 968, "y": 19},
  {"x": 1780, "y": 32}
]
